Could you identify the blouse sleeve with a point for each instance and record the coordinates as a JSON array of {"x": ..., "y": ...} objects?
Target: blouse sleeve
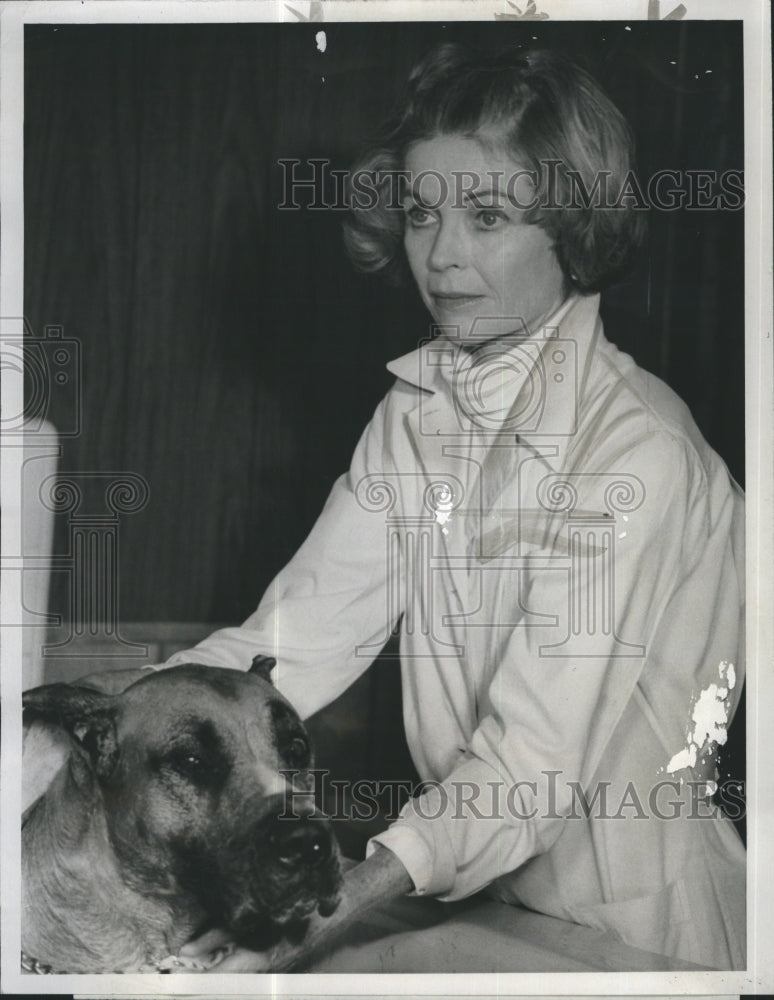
[
  {"x": 326, "y": 606},
  {"x": 554, "y": 714}
]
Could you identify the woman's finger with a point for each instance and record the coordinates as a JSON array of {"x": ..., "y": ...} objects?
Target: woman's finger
[{"x": 207, "y": 942}]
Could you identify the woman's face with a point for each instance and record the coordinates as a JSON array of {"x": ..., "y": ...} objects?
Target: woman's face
[{"x": 478, "y": 265}]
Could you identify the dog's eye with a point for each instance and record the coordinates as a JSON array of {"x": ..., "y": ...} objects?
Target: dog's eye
[
  {"x": 185, "y": 761},
  {"x": 195, "y": 754},
  {"x": 298, "y": 751}
]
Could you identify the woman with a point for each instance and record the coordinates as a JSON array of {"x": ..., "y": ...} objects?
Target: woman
[{"x": 562, "y": 546}]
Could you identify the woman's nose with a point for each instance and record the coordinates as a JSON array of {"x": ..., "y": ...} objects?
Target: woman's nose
[{"x": 448, "y": 248}]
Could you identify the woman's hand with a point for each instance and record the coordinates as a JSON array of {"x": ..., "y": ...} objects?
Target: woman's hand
[
  {"x": 376, "y": 881},
  {"x": 214, "y": 951}
]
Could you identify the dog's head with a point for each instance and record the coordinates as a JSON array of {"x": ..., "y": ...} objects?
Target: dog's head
[{"x": 204, "y": 777}]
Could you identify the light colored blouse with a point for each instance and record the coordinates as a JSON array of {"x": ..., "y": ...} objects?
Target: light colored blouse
[{"x": 566, "y": 554}]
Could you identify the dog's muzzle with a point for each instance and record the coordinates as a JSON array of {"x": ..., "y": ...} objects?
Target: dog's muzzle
[
  {"x": 298, "y": 844},
  {"x": 266, "y": 882}
]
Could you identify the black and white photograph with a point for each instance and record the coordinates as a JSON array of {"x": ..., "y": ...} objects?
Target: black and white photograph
[{"x": 386, "y": 453}]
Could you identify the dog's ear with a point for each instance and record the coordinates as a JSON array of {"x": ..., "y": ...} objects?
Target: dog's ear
[
  {"x": 263, "y": 665},
  {"x": 88, "y": 715}
]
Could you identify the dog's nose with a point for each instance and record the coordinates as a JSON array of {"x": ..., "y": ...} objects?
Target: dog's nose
[{"x": 301, "y": 842}]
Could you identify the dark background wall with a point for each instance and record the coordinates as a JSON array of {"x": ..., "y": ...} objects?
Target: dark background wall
[{"x": 230, "y": 355}]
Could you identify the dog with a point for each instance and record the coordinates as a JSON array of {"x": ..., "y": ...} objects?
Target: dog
[{"x": 185, "y": 802}]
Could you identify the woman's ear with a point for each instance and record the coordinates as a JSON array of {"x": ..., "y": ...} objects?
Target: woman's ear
[{"x": 87, "y": 715}]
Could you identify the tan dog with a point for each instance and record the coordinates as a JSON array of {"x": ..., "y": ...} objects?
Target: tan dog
[{"x": 170, "y": 815}]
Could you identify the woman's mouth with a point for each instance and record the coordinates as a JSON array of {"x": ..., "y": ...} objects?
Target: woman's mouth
[{"x": 450, "y": 301}]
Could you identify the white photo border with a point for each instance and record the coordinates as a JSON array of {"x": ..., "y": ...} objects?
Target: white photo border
[{"x": 759, "y": 396}]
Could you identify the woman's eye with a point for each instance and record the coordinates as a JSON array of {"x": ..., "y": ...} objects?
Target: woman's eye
[
  {"x": 418, "y": 216},
  {"x": 489, "y": 219}
]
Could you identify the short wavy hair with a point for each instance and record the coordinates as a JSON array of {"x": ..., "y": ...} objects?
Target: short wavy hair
[{"x": 547, "y": 110}]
